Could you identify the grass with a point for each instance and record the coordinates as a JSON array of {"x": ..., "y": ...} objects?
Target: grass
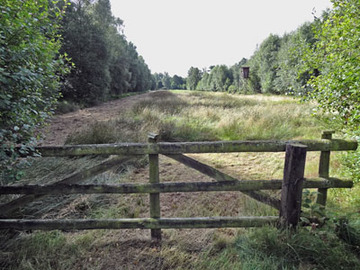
[
  {"x": 220, "y": 116},
  {"x": 192, "y": 116},
  {"x": 261, "y": 248},
  {"x": 49, "y": 250},
  {"x": 197, "y": 116},
  {"x": 286, "y": 250}
]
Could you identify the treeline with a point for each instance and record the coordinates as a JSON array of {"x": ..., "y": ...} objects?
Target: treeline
[
  {"x": 165, "y": 81},
  {"x": 105, "y": 64},
  {"x": 217, "y": 78},
  {"x": 276, "y": 67},
  {"x": 72, "y": 51}
]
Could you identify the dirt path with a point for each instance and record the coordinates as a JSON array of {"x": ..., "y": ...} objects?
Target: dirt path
[{"x": 60, "y": 126}]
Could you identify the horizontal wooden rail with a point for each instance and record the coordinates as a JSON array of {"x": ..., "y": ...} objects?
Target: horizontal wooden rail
[
  {"x": 193, "y": 147},
  {"x": 133, "y": 223},
  {"x": 239, "y": 185}
]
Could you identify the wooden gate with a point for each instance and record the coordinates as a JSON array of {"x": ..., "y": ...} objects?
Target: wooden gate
[{"x": 291, "y": 185}]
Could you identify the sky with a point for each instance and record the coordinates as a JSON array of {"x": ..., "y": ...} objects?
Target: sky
[{"x": 173, "y": 35}]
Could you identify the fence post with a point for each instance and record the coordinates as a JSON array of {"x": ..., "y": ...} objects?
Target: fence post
[
  {"x": 291, "y": 193},
  {"x": 153, "y": 179},
  {"x": 324, "y": 165}
]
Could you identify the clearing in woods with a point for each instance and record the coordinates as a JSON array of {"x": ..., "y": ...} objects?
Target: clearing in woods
[{"x": 132, "y": 249}]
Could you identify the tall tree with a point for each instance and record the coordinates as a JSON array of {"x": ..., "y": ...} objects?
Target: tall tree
[
  {"x": 119, "y": 65},
  {"x": 166, "y": 80},
  {"x": 85, "y": 42},
  {"x": 106, "y": 63},
  {"x": 205, "y": 82},
  {"x": 264, "y": 63},
  {"x": 194, "y": 76},
  {"x": 222, "y": 78},
  {"x": 292, "y": 73}
]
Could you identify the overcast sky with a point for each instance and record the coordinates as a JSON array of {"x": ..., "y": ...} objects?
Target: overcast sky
[{"x": 173, "y": 35}]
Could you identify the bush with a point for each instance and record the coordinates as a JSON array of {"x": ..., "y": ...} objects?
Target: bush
[{"x": 30, "y": 71}]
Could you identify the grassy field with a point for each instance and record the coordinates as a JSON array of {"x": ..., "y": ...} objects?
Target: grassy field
[{"x": 190, "y": 116}]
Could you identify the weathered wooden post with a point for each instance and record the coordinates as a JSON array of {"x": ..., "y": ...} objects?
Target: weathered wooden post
[
  {"x": 324, "y": 165},
  {"x": 154, "y": 178},
  {"x": 291, "y": 193}
]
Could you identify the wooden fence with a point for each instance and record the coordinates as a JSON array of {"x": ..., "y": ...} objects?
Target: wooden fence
[{"x": 291, "y": 185}]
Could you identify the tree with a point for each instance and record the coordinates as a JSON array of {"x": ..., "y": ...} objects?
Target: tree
[
  {"x": 293, "y": 73},
  {"x": 86, "y": 43},
  {"x": 264, "y": 63},
  {"x": 166, "y": 80},
  {"x": 204, "y": 83},
  {"x": 106, "y": 63},
  {"x": 221, "y": 78},
  {"x": 30, "y": 71},
  {"x": 337, "y": 56},
  {"x": 119, "y": 65},
  {"x": 178, "y": 82},
  {"x": 194, "y": 76},
  {"x": 158, "y": 80}
]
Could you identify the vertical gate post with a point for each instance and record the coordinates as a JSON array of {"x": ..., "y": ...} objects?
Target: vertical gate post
[
  {"x": 324, "y": 165},
  {"x": 291, "y": 193},
  {"x": 154, "y": 178}
]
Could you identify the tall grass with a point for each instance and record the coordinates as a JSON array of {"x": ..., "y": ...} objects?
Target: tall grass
[
  {"x": 49, "y": 250},
  {"x": 222, "y": 116},
  {"x": 197, "y": 116},
  {"x": 288, "y": 250}
]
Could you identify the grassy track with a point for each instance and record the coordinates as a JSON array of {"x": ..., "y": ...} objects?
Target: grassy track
[{"x": 187, "y": 116}]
